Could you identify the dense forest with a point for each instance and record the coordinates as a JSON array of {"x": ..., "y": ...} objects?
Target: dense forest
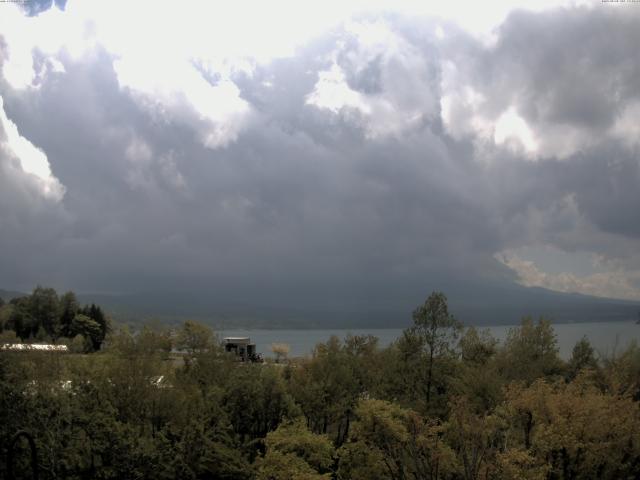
[
  {"x": 442, "y": 402},
  {"x": 44, "y": 316}
]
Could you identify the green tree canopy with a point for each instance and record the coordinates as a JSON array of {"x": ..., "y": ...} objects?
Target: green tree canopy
[
  {"x": 397, "y": 442},
  {"x": 195, "y": 337},
  {"x": 88, "y": 328},
  {"x": 44, "y": 307},
  {"x": 433, "y": 338},
  {"x": 68, "y": 309},
  {"x": 293, "y": 452},
  {"x": 583, "y": 356},
  {"x": 530, "y": 351}
]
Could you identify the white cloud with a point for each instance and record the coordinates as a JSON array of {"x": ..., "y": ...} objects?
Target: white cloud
[
  {"x": 157, "y": 58},
  {"x": 461, "y": 104},
  {"x": 614, "y": 284},
  {"x": 177, "y": 90},
  {"x": 404, "y": 92},
  {"x": 32, "y": 160},
  {"x": 511, "y": 128},
  {"x": 627, "y": 127},
  {"x": 49, "y": 33},
  {"x": 17, "y": 67},
  {"x": 159, "y": 67},
  {"x": 332, "y": 93}
]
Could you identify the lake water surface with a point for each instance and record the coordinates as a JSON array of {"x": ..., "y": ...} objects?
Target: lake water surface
[{"x": 606, "y": 337}]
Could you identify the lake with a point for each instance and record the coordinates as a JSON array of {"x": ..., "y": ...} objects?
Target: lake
[{"x": 606, "y": 337}]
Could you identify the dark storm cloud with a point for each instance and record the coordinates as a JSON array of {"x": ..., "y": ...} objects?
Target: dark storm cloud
[
  {"x": 304, "y": 203},
  {"x": 606, "y": 181},
  {"x": 573, "y": 66},
  {"x": 573, "y": 69},
  {"x": 29, "y": 220},
  {"x": 283, "y": 203}
]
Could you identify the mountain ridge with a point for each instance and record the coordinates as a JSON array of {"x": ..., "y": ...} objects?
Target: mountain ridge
[
  {"x": 506, "y": 309},
  {"x": 480, "y": 306}
]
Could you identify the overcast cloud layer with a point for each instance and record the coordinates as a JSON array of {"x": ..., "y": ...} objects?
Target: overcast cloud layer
[{"x": 370, "y": 162}]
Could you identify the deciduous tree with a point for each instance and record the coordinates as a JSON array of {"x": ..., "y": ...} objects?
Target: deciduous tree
[
  {"x": 431, "y": 341},
  {"x": 194, "y": 337},
  {"x": 530, "y": 352},
  {"x": 293, "y": 452},
  {"x": 398, "y": 439}
]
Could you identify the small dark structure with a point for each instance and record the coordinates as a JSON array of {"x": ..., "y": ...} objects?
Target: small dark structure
[{"x": 242, "y": 348}]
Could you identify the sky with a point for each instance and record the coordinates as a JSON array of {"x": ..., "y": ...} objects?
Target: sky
[{"x": 347, "y": 152}]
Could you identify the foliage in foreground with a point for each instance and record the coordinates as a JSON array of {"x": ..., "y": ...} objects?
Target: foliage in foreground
[{"x": 442, "y": 402}]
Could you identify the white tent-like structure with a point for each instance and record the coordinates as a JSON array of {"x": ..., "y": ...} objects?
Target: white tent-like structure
[{"x": 33, "y": 347}]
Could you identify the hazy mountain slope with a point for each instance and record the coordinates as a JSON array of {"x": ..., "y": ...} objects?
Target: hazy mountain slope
[
  {"x": 7, "y": 295},
  {"x": 481, "y": 306}
]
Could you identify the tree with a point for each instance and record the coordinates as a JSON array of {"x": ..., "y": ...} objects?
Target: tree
[
  {"x": 474, "y": 437},
  {"x": 436, "y": 330},
  {"x": 281, "y": 350},
  {"x": 44, "y": 308},
  {"x": 79, "y": 344},
  {"x": 366, "y": 363},
  {"x": 582, "y": 356},
  {"x": 520, "y": 464},
  {"x": 577, "y": 430},
  {"x": 203, "y": 448},
  {"x": 68, "y": 309},
  {"x": 476, "y": 377},
  {"x": 97, "y": 315},
  {"x": 530, "y": 352},
  {"x": 5, "y": 315},
  {"x": 326, "y": 388},
  {"x": 88, "y": 328},
  {"x": 622, "y": 371},
  {"x": 256, "y": 401},
  {"x": 477, "y": 348},
  {"x": 293, "y": 452},
  {"x": 397, "y": 443},
  {"x": 194, "y": 337},
  {"x": 156, "y": 340},
  {"x": 359, "y": 462},
  {"x": 20, "y": 318}
]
